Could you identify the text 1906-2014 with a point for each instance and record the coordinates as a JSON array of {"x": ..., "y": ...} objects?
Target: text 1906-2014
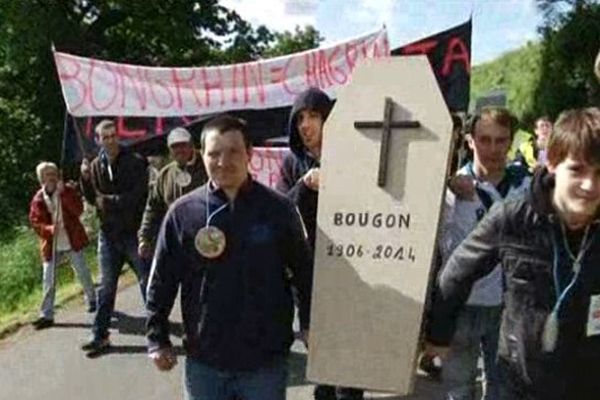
[{"x": 375, "y": 252}]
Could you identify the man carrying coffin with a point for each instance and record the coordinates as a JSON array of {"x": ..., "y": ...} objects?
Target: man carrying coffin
[{"x": 300, "y": 182}]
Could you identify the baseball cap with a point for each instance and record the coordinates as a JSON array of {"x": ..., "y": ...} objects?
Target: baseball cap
[{"x": 179, "y": 135}]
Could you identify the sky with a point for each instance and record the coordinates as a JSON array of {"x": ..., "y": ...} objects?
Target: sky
[{"x": 498, "y": 25}]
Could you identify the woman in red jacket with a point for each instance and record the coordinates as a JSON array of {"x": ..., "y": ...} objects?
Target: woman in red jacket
[{"x": 54, "y": 211}]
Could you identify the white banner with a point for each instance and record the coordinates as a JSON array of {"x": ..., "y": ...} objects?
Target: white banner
[
  {"x": 94, "y": 87},
  {"x": 265, "y": 164}
]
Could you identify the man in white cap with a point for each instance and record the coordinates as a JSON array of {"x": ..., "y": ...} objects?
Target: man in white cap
[{"x": 185, "y": 173}]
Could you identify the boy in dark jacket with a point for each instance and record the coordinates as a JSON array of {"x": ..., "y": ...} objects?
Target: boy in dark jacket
[
  {"x": 300, "y": 182},
  {"x": 548, "y": 243}
]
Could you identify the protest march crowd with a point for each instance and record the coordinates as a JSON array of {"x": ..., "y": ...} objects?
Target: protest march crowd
[{"x": 515, "y": 282}]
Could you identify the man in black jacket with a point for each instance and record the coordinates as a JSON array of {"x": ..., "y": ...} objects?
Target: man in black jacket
[
  {"x": 300, "y": 169},
  {"x": 116, "y": 183},
  {"x": 235, "y": 247},
  {"x": 548, "y": 243},
  {"x": 300, "y": 182}
]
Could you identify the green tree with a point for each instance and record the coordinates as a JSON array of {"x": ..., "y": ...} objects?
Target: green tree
[
  {"x": 19, "y": 149},
  {"x": 288, "y": 42},
  {"x": 571, "y": 39},
  {"x": 554, "y": 74}
]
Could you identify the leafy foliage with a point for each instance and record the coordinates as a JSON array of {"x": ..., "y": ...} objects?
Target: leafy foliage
[
  {"x": 288, "y": 42},
  {"x": 19, "y": 150},
  {"x": 571, "y": 41}
]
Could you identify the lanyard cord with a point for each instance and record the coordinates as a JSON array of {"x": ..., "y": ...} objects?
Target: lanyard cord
[
  {"x": 585, "y": 244},
  {"x": 582, "y": 247},
  {"x": 210, "y": 215}
]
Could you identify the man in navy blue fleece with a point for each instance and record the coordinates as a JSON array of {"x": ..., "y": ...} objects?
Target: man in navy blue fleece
[
  {"x": 300, "y": 182},
  {"x": 235, "y": 248}
]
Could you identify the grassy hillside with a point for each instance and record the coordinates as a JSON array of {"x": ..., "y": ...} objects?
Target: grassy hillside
[{"x": 517, "y": 73}]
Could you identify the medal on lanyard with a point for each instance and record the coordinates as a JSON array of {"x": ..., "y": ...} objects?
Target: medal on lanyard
[
  {"x": 550, "y": 333},
  {"x": 183, "y": 178},
  {"x": 210, "y": 241}
]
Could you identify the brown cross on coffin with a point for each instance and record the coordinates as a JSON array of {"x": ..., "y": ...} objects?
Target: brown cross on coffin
[{"x": 387, "y": 124}]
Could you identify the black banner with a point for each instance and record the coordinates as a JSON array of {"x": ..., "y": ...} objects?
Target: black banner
[
  {"x": 148, "y": 136},
  {"x": 449, "y": 53}
]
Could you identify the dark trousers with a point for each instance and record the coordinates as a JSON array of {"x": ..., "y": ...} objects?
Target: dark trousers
[
  {"x": 564, "y": 382},
  {"x": 112, "y": 255},
  {"x": 326, "y": 392}
]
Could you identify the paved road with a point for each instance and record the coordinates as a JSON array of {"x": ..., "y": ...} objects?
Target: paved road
[{"x": 48, "y": 365}]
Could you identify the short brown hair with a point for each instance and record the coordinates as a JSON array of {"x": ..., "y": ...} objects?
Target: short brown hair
[
  {"x": 225, "y": 123},
  {"x": 498, "y": 115},
  {"x": 544, "y": 118},
  {"x": 577, "y": 133}
]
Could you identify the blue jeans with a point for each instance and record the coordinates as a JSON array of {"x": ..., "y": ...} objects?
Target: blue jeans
[
  {"x": 202, "y": 382},
  {"x": 49, "y": 285},
  {"x": 477, "y": 333},
  {"x": 112, "y": 255}
]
